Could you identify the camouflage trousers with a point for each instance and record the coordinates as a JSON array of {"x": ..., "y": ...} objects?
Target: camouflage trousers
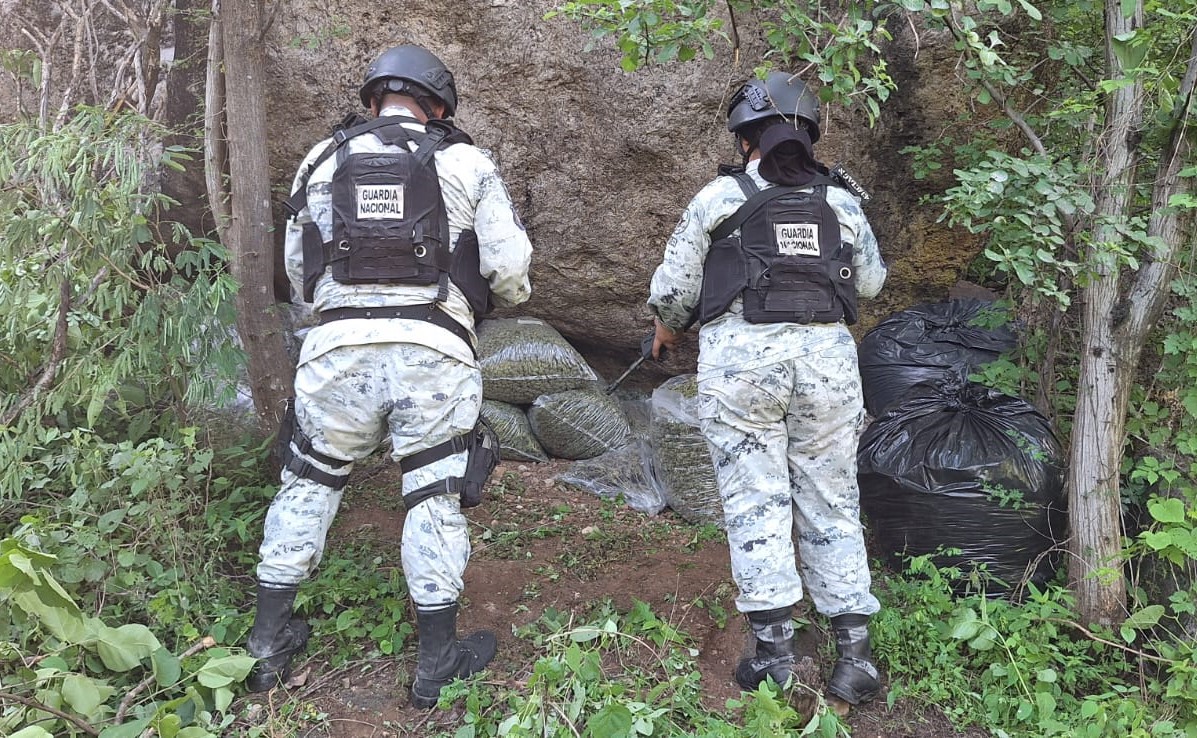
[
  {"x": 783, "y": 442},
  {"x": 348, "y": 401}
]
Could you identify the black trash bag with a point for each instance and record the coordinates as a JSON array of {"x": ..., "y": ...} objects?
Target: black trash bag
[
  {"x": 925, "y": 344},
  {"x": 959, "y": 465}
]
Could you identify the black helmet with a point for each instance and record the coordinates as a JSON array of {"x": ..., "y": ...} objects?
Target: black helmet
[
  {"x": 418, "y": 66},
  {"x": 780, "y": 94}
]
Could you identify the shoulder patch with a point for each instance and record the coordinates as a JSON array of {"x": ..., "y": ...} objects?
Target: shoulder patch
[{"x": 849, "y": 183}]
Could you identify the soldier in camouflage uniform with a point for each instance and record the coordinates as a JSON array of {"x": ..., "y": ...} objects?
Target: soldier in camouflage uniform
[
  {"x": 403, "y": 232},
  {"x": 774, "y": 285}
]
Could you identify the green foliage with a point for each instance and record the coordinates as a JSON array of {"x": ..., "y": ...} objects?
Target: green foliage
[
  {"x": 373, "y": 609},
  {"x": 1022, "y": 204},
  {"x": 84, "y": 668},
  {"x": 621, "y": 675},
  {"x": 648, "y": 31},
  {"x": 838, "y": 41},
  {"x": 1029, "y": 669},
  {"x": 104, "y": 323}
]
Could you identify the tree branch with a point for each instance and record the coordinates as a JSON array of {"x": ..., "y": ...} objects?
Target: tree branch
[
  {"x": 79, "y": 723},
  {"x": 57, "y": 353},
  {"x": 215, "y": 147},
  {"x": 1014, "y": 116},
  {"x": 1113, "y": 644},
  {"x": 1148, "y": 295},
  {"x": 205, "y": 643},
  {"x": 735, "y": 34}
]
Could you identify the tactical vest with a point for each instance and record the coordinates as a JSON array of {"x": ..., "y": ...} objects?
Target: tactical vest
[
  {"x": 788, "y": 263},
  {"x": 389, "y": 222}
]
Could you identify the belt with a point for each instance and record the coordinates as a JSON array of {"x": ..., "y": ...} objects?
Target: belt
[{"x": 428, "y": 312}]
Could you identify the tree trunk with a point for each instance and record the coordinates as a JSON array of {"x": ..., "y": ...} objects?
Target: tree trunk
[
  {"x": 184, "y": 87},
  {"x": 1107, "y": 366},
  {"x": 249, "y": 235}
]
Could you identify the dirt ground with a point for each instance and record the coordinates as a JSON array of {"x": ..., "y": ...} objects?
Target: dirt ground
[{"x": 538, "y": 545}]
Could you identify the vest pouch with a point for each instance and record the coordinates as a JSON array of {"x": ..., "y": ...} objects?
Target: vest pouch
[
  {"x": 724, "y": 277},
  {"x": 466, "y": 273},
  {"x": 844, "y": 279},
  {"x": 313, "y": 260},
  {"x": 376, "y": 261},
  {"x": 482, "y": 460},
  {"x": 792, "y": 292}
]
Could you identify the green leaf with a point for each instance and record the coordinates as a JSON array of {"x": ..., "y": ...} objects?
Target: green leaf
[
  {"x": 84, "y": 694},
  {"x": 168, "y": 725},
  {"x": 1158, "y": 540},
  {"x": 1031, "y": 10},
  {"x": 584, "y": 634},
  {"x": 613, "y": 721},
  {"x": 126, "y": 730},
  {"x": 223, "y": 671},
  {"x": 65, "y": 623},
  {"x": 1128, "y": 7},
  {"x": 33, "y": 731},
  {"x": 1146, "y": 618},
  {"x": 222, "y": 697},
  {"x": 965, "y": 624},
  {"x": 167, "y": 668},
  {"x": 1130, "y": 54},
  {"x": 1167, "y": 510},
  {"x": 110, "y": 520},
  {"x": 123, "y": 648}
]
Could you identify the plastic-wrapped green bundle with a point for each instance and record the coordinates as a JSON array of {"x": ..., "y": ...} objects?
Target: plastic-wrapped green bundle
[
  {"x": 625, "y": 471},
  {"x": 682, "y": 461},
  {"x": 578, "y": 424},
  {"x": 524, "y": 358},
  {"x": 510, "y": 423}
]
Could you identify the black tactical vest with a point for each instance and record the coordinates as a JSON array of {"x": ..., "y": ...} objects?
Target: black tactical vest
[
  {"x": 788, "y": 263},
  {"x": 389, "y": 222}
]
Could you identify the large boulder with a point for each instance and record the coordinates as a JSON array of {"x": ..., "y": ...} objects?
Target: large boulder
[{"x": 601, "y": 162}]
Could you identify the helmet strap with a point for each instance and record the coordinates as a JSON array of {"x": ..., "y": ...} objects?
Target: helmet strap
[{"x": 400, "y": 87}]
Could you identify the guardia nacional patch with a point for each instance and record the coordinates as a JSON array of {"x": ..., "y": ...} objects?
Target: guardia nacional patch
[
  {"x": 379, "y": 202},
  {"x": 796, "y": 239}
]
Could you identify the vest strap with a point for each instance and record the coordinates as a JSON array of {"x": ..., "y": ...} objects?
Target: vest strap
[{"x": 428, "y": 312}]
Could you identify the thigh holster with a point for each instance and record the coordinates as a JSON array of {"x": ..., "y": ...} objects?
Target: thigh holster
[
  {"x": 296, "y": 453},
  {"x": 483, "y": 447}
]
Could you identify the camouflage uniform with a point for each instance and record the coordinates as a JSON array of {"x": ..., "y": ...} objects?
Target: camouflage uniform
[
  {"x": 780, "y": 406},
  {"x": 361, "y": 380}
]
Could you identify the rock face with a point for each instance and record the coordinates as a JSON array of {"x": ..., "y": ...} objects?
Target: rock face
[{"x": 600, "y": 162}]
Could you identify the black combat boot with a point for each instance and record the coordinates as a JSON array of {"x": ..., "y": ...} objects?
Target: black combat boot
[
  {"x": 275, "y": 637},
  {"x": 774, "y": 634},
  {"x": 443, "y": 658},
  {"x": 855, "y": 679}
]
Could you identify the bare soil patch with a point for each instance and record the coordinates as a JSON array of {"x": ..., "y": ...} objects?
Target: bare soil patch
[{"x": 539, "y": 545}]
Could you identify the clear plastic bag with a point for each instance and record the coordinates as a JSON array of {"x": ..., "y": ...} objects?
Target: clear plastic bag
[
  {"x": 578, "y": 424},
  {"x": 524, "y": 358},
  {"x": 510, "y": 423},
  {"x": 681, "y": 459},
  {"x": 624, "y": 471}
]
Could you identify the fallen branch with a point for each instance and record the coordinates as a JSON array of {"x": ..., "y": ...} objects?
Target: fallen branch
[
  {"x": 143, "y": 685},
  {"x": 1114, "y": 644},
  {"x": 79, "y": 723}
]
